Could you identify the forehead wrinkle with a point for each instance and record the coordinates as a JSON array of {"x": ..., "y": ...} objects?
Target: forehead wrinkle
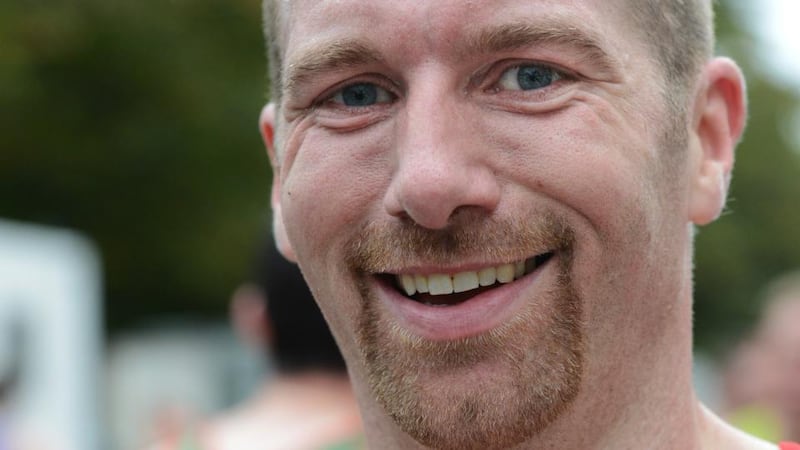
[
  {"x": 326, "y": 57},
  {"x": 514, "y": 36}
]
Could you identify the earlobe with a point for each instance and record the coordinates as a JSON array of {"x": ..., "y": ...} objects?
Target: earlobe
[
  {"x": 266, "y": 125},
  {"x": 278, "y": 228},
  {"x": 718, "y": 122}
]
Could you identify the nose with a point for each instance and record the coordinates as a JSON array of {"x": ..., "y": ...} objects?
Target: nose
[{"x": 442, "y": 164}]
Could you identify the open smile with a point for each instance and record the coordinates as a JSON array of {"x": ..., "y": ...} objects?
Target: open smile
[
  {"x": 439, "y": 289},
  {"x": 453, "y": 305}
]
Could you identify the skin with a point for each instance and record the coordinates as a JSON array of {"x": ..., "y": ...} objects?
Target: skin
[{"x": 454, "y": 168}]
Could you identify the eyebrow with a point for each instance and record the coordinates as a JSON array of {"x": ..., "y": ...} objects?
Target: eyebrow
[
  {"x": 344, "y": 53},
  {"x": 514, "y": 36},
  {"x": 328, "y": 57}
]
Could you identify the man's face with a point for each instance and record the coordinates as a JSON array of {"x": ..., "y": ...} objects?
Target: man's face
[{"x": 488, "y": 200}]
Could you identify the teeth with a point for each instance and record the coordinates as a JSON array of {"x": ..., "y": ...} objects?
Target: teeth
[
  {"x": 422, "y": 283},
  {"x": 440, "y": 284},
  {"x": 465, "y": 281},
  {"x": 408, "y": 284},
  {"x": 443, "y": 284},
  {"x": 487, "y": 276},
  {"x": 519, "y": 269},
  {"x": 505, "y": 273}
]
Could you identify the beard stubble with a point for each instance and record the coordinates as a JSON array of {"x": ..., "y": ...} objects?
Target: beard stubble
[{"x": 494, "y": 390}]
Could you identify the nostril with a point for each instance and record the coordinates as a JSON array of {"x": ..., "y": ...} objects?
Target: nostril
[
  {"x": 391, "y": 203},
  {"x": 434, "y": 207},
  {"x": 436, "y": 177},
  {"x": 424, "y": 206}
]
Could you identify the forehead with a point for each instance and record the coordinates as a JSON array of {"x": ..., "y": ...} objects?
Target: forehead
[{"x": 417, "y": 26}]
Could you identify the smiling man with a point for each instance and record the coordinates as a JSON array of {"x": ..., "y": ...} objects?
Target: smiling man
[{"x": 493, "y": 203}]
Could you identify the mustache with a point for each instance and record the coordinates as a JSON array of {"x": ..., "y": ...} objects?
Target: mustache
[{"x": 388, "y": 246}]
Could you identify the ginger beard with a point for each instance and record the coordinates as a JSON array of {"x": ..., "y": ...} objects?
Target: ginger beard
[{"x": 492, "y": 390}]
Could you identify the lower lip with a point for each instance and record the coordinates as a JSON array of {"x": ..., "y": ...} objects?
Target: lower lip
[{"x": 475, "y": 316}]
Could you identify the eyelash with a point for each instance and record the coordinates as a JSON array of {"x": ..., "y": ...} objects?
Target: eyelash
[
  {"x": 328, "y": 96},
  {"x": 490, "y": 78}
]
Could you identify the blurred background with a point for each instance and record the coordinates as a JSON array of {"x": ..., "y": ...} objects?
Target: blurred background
[{"x": 134, "y": 191}]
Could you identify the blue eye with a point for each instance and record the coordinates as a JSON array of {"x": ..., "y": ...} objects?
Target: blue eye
[
  {"x": 528, "y": 77},
  {"x": 361, "y": 95}
]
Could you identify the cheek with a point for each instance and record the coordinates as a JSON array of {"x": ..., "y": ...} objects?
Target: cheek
[
  {"x": 586, "y": 159},
  {"x": 601, "y": 171},
  {"x": 333, "y": 183}
]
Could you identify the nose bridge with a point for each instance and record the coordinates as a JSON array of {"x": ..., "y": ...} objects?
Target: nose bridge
[
  {"x": 432, "y": 130},
  {"x": 440, "y": 167}
]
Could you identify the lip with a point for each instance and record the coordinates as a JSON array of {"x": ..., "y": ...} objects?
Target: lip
[{"x": 480, "y": 314}]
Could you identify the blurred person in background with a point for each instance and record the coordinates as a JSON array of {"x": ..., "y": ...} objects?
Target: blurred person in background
[
  {"x": 307, "y": 403},
  {"x": 762, "y": 381}
]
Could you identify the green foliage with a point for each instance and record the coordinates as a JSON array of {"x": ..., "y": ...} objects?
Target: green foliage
[{"x": 136, "y": 122}]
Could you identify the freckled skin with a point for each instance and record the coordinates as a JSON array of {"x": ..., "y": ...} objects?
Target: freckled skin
[{"x": 597, "y": 152}]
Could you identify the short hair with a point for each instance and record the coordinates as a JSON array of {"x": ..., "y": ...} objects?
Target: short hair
[
  {"x": 680, "y": 34},
  {"x": 272, "y": 34},
  {"x": 300, "y": 337}
]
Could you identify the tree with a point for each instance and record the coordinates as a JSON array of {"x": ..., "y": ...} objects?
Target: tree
[{"x": 135, "y": 122}]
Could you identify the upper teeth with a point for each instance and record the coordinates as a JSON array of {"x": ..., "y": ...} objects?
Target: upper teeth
[{"x": 443, "y": 284}]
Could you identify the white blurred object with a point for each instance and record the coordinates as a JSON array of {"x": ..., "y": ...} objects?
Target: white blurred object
[
  {"x": 778, "y": 26},
  {"x": 50, "y": 286}
]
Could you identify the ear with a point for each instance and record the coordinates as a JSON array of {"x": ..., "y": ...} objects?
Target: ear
[
  {"x": 266, "y": 124},
  {"x": 718, "y": 119}
]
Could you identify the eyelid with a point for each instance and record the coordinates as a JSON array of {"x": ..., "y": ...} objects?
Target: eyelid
[
  {"x": 381, "y": 82},
  {"x": 490, "y": 77},
  {"x": 383, "y": 95},
  {"x": 515, "y": 70}
]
